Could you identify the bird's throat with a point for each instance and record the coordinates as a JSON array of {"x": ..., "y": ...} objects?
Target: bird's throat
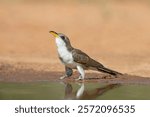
[{"x": 61, "y": 44}]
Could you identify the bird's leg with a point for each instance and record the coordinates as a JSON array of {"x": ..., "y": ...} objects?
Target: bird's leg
[
  {"x": 81, "y": 71},
  {"x": 68, "y": 73}
]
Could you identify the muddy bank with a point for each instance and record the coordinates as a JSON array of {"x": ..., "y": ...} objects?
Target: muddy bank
[{"x": 24, "y": 73}]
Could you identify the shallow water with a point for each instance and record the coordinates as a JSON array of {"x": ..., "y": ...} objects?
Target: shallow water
[{"x": 61, "y": 90}]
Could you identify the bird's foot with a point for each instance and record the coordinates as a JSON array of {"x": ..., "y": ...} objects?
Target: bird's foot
[
  {"x": 63, "y": 77},
  {"x": 80, "y": 78}
]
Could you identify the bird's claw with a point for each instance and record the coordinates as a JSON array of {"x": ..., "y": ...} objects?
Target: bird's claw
[
  {"x": 62, "y": 77},
  {"x": 80, "y": 78}
]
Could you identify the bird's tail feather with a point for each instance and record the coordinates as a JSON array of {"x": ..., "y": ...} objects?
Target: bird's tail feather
[{"x": 109, "y": 71}]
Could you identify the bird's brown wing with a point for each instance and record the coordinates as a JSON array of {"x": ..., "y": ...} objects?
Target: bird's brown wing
[{"x": 82, "y": 58}]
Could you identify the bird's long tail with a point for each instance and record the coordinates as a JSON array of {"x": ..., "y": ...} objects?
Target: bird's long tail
[{"x": 109, "y": 71}]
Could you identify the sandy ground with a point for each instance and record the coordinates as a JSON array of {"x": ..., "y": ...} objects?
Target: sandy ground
[
  {"x": 22, "y": 73},
  {"x": 116, "y": 34}
]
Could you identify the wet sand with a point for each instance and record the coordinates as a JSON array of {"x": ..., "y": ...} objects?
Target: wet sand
[{"x": 114, "y": 33}]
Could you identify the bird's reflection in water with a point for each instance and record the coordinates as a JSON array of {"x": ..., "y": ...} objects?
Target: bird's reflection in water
[{"x": 83, "y": 94}]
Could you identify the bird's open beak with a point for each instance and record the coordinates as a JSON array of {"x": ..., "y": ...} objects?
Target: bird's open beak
[{"x": 53, "y": 33}]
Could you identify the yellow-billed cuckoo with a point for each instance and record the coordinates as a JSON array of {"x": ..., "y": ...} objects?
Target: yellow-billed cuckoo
[{"x": 76, "y": 59}]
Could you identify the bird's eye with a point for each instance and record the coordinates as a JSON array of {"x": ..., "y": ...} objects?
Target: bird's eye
[{"x": 62, "y": 37}]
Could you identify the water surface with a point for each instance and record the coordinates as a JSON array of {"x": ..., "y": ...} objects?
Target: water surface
[{"x": 61, "y": 90}]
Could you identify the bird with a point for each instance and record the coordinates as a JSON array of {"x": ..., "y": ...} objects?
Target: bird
[{"x": 73, "y": 58}]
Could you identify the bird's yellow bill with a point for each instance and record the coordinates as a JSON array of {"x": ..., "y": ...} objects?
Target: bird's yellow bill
[{"x": 53, "y": 33}]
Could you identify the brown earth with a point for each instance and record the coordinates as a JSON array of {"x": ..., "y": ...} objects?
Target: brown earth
[{"x": 116, "y": 34}]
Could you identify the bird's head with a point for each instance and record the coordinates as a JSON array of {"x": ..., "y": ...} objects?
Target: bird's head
[{"x": 61, "y": 39}]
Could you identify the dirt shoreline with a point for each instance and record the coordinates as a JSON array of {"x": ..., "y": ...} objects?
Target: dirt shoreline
[{"x": 24, "y": 73}]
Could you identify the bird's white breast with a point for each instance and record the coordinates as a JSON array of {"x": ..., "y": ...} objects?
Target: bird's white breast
[
  {"x": 63, "y": 52},
  {"x": 65, "y": 55}
]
